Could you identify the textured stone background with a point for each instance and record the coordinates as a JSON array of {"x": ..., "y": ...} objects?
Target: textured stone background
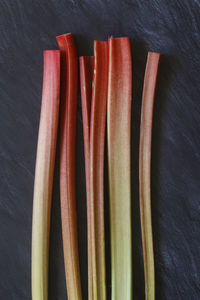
[{"x": 171, "y": 27}]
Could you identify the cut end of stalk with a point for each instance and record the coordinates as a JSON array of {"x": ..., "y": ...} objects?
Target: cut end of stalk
[
  {"x": 64, "y": 34},
  {"x": 64, "y": 39},
  {"x": 52, "y": 53}
]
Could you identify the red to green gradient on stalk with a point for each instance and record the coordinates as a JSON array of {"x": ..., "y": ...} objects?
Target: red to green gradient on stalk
[
  {"x": 46, "y": 150},
  {"x": 150, "y": 79},
  {"x": 86, "y": 76},
  {"x": 69, "y": 89},
  {"x": 119, "y": 166}
]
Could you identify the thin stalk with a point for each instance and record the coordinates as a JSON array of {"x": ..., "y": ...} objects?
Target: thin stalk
[
  {"x": 96, "y": 186},
  {"x": 86, "y": 75},
  {"x": 145, "y": 171},
  {"x": 45, "y": 159},
  {"x": 69, "y": 86},
  {"x": 119, "y": 166}
]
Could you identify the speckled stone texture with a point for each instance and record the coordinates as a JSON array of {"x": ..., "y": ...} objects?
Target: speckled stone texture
[{"x": 167, "y": 26}]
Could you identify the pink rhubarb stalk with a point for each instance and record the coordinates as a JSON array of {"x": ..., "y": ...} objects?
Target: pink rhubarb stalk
[
  {"x": 96, "y": 161},
  {"x": 44, "y": 171},
  {"x": 86, "y": 75},
  {"x": 69, "y": 86},
  {"x": 145, "y": 171},
  {"x": 119, "y": 166}
]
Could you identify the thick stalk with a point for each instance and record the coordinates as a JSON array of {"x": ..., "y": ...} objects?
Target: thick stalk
[
  {"x": 69, "y": 86},
  {"x": 97, "y": 142},
  {"x": 46, "y": 150},
  {"x": 145, "y": 171},
  {"x": 86, "y": 75},
  {"x": 119, "y": 166}
]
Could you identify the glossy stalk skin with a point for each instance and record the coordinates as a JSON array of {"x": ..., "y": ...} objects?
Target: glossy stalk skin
[
  {"x": 145, "y": 171},
  {"x": 69, "y": 87},
  {"x": 119, "y": 166},
  {"x": 46, "y": 150},
  {"x": 96, "y": 186},
  {"x": 86, "y": 76}
]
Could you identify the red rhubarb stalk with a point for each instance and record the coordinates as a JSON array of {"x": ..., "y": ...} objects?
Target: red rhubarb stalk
[
  {"x": 46, "y": 150},
  {"x": 96, "y": 186},
  {"x": 119, "y": 166},
  {"x": 69, "y": 86},
  {"x": 86, "y": 75},
  {"x": 145, "y": 171}
]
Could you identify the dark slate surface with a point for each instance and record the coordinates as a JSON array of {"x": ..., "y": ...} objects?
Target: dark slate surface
[{"x": 168, "y": 26}]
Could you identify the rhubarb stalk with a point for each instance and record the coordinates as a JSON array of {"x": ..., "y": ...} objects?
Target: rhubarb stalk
[
  {"x": 46, "y": 150},
  {"x": 96, "y": 161},
  {"x": 86, "y": 75},
  {"x": 69, "y": 86},
  {"x": 145, "y": 171},
  {"x": 119, "y": 166}
]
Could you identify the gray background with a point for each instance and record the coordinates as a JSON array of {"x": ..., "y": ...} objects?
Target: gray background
[{"x": 167, "y": 26}]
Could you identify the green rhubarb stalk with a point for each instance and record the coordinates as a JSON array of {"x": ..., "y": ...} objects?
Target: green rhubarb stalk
[
  {"x": 46, "y": 150},
  {"x": 145, "y": 171},
  {"x": 69, "y": 88},
  {"x": 96, "y": 171},
  {"x": 119, "y": 166}
]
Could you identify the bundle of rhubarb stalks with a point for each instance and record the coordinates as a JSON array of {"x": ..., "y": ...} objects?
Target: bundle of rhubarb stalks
[{"x": 106, "y": 96}]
